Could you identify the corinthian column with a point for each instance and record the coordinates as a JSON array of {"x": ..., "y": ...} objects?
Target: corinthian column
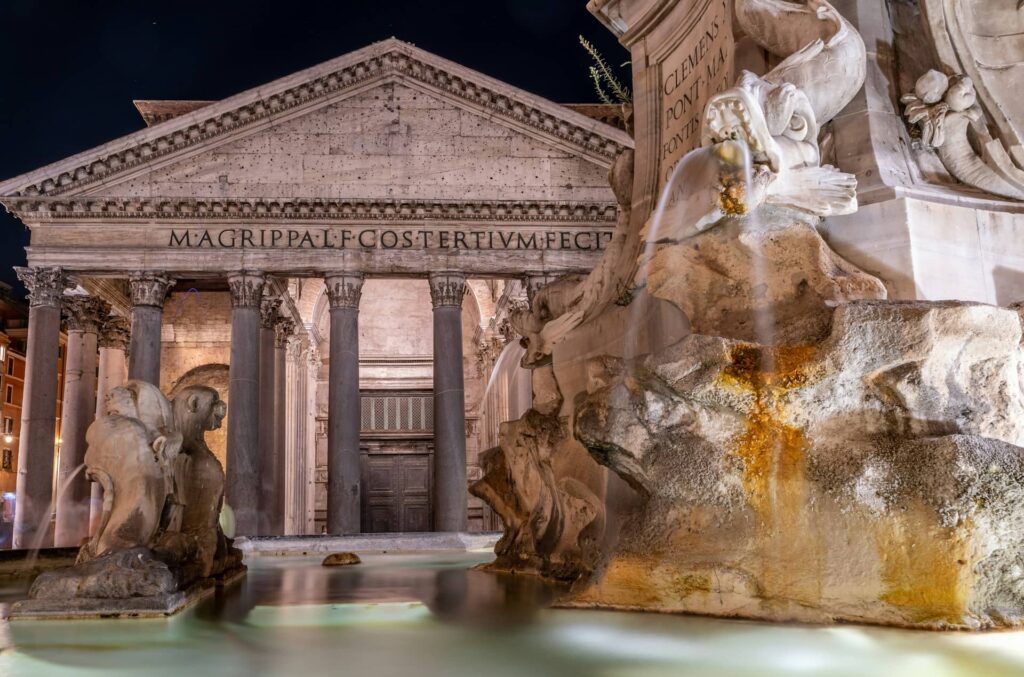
[
  {"x": 343, "y": 467},
  {"x": 295, "y": 435},
  {"x": 39, "y": 406},
  {"x": 148, "y": 292},
  {"x": 269, "y": 316},
  {"x": 273, "y": 467},
  {"x": 84, "y": 314},
  {"x": 113, "y": 372},
  {"x": 446, "y": 293},
  {"x": 242, "y": 486}
]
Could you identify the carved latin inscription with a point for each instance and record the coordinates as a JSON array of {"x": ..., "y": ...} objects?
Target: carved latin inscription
[
  {"x": 700, "y": 65},
  {"x": 385, "y": 238}
]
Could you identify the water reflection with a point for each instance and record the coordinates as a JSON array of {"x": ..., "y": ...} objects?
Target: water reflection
[{"x": 429, "y": 615}]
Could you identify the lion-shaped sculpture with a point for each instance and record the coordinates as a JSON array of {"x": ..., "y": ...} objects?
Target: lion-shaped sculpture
[{"x": 163, "y": 490}]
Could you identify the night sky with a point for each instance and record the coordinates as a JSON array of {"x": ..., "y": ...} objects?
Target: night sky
[{"x": 72, "y": 68}]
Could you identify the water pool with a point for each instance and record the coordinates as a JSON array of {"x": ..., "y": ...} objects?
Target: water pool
[{"x": 432, "y": 615}]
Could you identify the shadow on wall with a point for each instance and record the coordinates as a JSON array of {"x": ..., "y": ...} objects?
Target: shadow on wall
[
  {"x": 215, "y": 376},
  {"x": 1009, "y": 285}
]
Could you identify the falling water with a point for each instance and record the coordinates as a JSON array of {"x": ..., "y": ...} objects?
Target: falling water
[
  {"x": 511, "y": 353},
  {"x": 42, "y": 527},
  {"x": 706, "y": 186}
]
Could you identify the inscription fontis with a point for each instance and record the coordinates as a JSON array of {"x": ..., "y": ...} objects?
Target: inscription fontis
[
  {"x": 382, "y": 238},
  {"x": 698, "y": 68}
]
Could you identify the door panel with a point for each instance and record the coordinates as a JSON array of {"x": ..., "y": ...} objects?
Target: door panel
[{"x": 396, "y": 492}]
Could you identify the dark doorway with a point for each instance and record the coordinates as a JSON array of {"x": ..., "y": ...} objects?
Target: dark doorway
[{"x": 396, "y": 492}]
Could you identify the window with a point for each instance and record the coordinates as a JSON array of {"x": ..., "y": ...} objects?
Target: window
[
  {"x": 7, "y": 462},
  {"x": 10, "y": 366},
  {"x": 9, "y": 397},
  {"x": 8, "y": 425}
]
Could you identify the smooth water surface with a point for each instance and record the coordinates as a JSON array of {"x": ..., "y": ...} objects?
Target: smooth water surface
[{"x": 432, "y": 615}]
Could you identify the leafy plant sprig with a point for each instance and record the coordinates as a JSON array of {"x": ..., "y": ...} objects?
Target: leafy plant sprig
[{"x": 602, "y": 77}]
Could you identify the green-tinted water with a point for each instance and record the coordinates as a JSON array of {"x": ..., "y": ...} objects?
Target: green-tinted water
[{"x": 431, "y": 615}]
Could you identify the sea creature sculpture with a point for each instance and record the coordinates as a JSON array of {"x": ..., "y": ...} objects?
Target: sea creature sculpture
[{"x": 780, "y": 114}]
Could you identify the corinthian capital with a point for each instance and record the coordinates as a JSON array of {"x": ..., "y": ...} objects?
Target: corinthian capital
[
  {"x": 344, "y": 289},
  {"x": 283, "y": 330},
  {"x": 447, "y": 289},
  {"x": 149, "y": 289},
  {"x": 45, "y": 285},
  {"x": 85, "y": 313},
  {"x": 269, "y": 314},
  {"x": 115, "y": 333},
  {"x": 246, "y": 289}
]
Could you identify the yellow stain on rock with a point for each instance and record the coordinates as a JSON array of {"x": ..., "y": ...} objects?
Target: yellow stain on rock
[
  {"x": 926, "y": 568},
  {"x": 773, "y": 454}
]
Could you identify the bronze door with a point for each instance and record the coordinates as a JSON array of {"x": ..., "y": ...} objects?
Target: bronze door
[{"x": 396, "y": 493}]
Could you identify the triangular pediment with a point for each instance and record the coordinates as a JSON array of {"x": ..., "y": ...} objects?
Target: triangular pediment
[
  {"x": 393, "y": 140},
  {"x": 446, "y": 112}
]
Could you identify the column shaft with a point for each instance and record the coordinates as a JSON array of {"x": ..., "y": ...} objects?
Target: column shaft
[
  {"x": 148, "y": 291},
  {"x": 295, "y": 400},
  {"x": 447, "y": 291},
  {"x": 242, "y": 484},
  {"x": 113, "y": 372},
  {"x": 79, "y": 409},
  {"x": 313, "y": 366},
  {"x": 277, "y": 481},
  {"x": 144, "y": 360},
  {"x": 34, "y": 488},
  {"x": 267, "y": 466},
  {"x": 343, "y": 463}
]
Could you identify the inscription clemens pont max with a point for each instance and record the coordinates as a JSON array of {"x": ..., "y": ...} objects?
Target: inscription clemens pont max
[
  {"x": 385, "y": 238},
  {"x": 700, "y": 66}
]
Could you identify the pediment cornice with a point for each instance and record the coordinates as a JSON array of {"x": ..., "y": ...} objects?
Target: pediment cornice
[
  {"x": 43, "y": 209},
  {"x": 387, "y": 60}
]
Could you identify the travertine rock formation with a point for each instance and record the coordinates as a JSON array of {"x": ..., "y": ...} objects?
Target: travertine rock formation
[
  {"x": 870, "y": 477},
  {"x": 771, "y": 281}
]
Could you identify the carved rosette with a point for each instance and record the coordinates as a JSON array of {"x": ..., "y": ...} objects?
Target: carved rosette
[
  {"x": 45, "y": 285},
  {"x": 284, "y": 329},
  {"x": 115, "y": 333},
  {"x": 447, "y": 289},
  {"x": 85, "y": 313},
  {"x": 269, "y": 311},
  {"x": 246, "y": 289},
  {"x": 149, "y": 289},
  {"x": 344, "y": 289}
]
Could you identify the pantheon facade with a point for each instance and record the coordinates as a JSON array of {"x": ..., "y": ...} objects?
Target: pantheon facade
[{"x": 337, "y": 253}]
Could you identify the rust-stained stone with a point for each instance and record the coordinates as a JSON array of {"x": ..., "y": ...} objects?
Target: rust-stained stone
[
  {"x": 875, "y": 476},
  {"x": 340, "y": 559}
]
